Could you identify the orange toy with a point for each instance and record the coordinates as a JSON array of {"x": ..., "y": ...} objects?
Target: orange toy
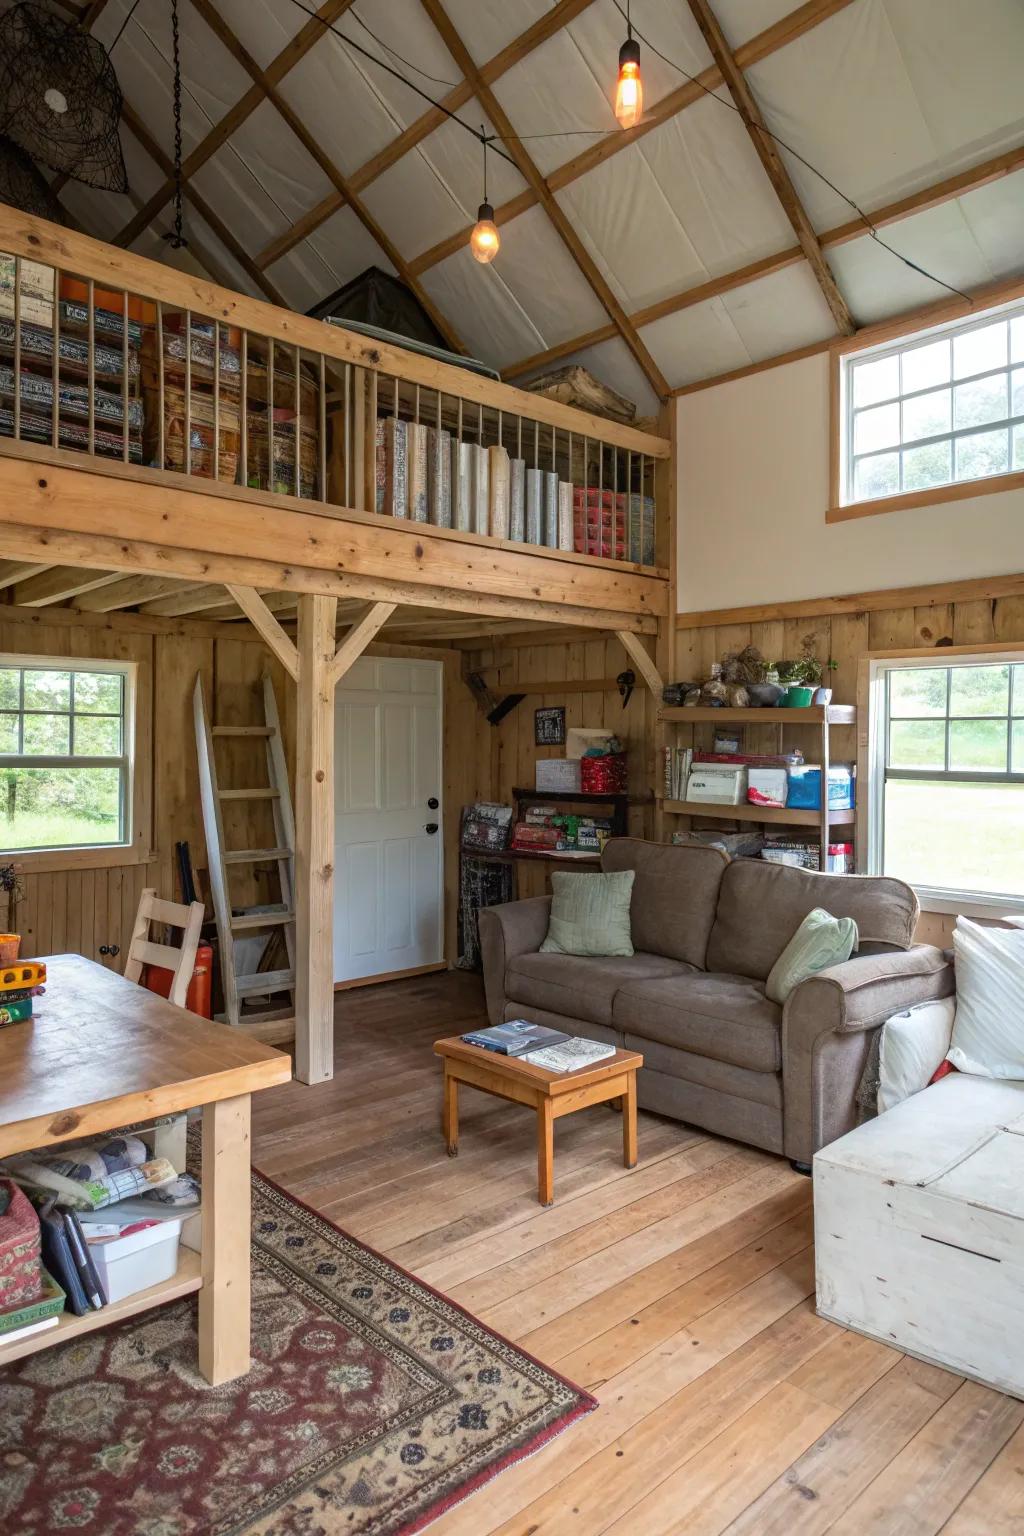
[{"x": 26, "y": 973}]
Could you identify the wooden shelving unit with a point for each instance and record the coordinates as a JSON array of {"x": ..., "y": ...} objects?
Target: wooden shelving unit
[
  {"x": 819, "y": 716},
  {"x": 188, "y": 1278}
]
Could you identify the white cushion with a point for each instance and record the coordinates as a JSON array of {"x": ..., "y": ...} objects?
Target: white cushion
[
  {"x": 914, "y": 1046},
  {"x": 988, "y": 1032}
]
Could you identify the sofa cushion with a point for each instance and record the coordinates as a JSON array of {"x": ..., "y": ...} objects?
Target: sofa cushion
[
  {"x": 761, "y": 905},
  {"x": 578, "y": 986},
  {"x": 674, "y": 894},
  {"x": 590, "y": 914},
  {"x": 725, "y": 1017}
]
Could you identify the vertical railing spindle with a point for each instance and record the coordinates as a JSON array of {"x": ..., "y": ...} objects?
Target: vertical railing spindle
[
  {"x": 55, "y": 403},
  {"x": 125, "y": 455},
  {"x": 321, "y": 429},
  {"x": 243, "y": 407},
  {"x": 17, "y": 345},
  {"x": 161, "y": 406},
  {"x": 298, "y": 423},
  {"x": 92, "y": 365},
  {"x": 216, "y": 399},
  {"x": 271, "y": 392},
  {"x": 188, "y": 391}
]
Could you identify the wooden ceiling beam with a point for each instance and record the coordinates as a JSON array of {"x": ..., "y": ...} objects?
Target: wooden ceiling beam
[
  {"x": 434, "y": 118},
  {"x": 944, "y": 191},
  {"x": 58, "y": 584},
  {"x": 127, "y": 591},
  {"x": 777, "y": 36},
  {"x": 220, "y": 28},
  {"x": 560, "y": 220},
  {"x": 13, "y": 571},
  {"x": 774, "y": 166},
  {"x": 233, "y": 246},
  {"x": 233, "y": 119}
]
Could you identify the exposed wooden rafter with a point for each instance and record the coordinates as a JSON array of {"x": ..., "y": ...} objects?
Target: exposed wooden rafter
[
  {"x": 933, "y": 196},
  {"x": 228, "y": 37},
  {"x": 301, "y": 43},
  {"x": 358, "y": 638},
  {"x": 784, "y": 31},
  {"x": 557, "y": 215},
  {"x": 202, "y": 207},
  {"x": 543, "y": 28},
  {"x": 771, "y": 159}
]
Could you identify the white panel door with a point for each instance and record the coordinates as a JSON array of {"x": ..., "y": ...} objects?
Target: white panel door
[{"x": 389, "y": 888}]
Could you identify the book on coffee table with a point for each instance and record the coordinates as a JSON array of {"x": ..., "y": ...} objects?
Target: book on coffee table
[
  {"x": 515, "y": 1038},
  {"x": 569, "y": 1055}
]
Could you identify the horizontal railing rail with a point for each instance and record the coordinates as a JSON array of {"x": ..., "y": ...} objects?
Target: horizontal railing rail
[{"x": 120, "y": 358}]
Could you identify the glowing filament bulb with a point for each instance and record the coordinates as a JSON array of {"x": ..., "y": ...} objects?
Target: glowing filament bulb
[
  {"x": 485, "y": 242},
  {"x": 629, "y": 93}
]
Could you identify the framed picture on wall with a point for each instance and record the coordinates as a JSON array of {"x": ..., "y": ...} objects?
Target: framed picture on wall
[{"x": 549, "y": 726}]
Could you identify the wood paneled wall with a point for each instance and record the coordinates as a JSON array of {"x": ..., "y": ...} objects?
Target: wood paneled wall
[{"x": 579, "y": 673}]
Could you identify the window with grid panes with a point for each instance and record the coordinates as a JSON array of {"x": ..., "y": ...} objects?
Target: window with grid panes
[
  {"x": 946, "y": 806},
  {"x": 65, "y": 753},
  {"x": 935, "y": 409}
]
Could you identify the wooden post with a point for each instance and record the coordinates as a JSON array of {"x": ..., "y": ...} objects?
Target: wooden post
[
  {"x": 314, "y": 841},
  {"x": 224, "y": 1299}
]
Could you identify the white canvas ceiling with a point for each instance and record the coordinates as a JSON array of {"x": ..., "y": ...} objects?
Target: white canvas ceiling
[{"x": 885, "y": 97}]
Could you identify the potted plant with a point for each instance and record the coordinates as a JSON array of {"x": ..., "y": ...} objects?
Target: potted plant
[{"x": 802, "y": 677}]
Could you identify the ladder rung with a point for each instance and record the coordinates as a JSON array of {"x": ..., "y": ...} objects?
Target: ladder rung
[
  {"x": 261, "y": 920},
  {"x": 264, "y": 981},
  {"x": 256, "y": 855},
  {"x": 242, "y": 730},
  {"x": 249, "y": 794}
]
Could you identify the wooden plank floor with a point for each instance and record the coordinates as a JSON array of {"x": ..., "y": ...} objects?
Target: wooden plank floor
[{"x": 681, "y": 1294}]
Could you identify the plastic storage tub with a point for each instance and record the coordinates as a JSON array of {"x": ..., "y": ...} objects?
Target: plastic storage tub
[{"x": 129, "y": 1264}]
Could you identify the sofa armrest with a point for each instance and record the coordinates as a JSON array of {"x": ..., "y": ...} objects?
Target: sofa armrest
[
  {"x": 827, "y": 1028},
  {"x": 514, "y": 928}
]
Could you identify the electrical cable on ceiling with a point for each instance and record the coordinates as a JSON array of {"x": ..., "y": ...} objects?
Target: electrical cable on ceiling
[
  {"x": 120, "y": 30},
  {"x": 450, "y": 85},
  {"x": 870, "y": 228}
]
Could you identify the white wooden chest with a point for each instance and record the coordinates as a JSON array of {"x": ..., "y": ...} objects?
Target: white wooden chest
[{"x": 919, "y": 1228}]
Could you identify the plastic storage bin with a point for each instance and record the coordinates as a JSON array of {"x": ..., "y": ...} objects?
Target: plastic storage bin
[
  {"x": 805, "y": 787},
  {"x": 129, "y": 1264}
]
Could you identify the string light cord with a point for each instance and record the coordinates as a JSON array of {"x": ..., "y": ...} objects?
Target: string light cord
[
  {"x": 120, "y": 30},
  {"x": 870, "y": 228},
  {"x": 411, "y": 84},
  {"x": 448, "y": 84}
]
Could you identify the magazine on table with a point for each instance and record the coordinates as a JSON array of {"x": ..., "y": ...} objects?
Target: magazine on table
[
  {"x": 515, "y": 1038},
  {"x": 571, "y": 1054}
]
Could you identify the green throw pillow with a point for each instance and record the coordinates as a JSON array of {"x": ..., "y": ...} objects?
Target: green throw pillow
[
  {"x": 590, "y": 915},
  {"x": 820, "y": 941}
]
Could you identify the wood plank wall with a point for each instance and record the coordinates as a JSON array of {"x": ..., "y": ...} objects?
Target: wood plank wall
[
  {"x": 847, "y": 637},
  {"x": 504, "y": 756}
]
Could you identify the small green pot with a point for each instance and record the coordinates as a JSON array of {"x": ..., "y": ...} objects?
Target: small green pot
[{"x": 798, "y": 697}]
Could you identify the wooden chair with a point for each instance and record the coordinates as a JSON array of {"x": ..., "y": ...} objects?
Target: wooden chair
[{"x": 143, "y": 951}]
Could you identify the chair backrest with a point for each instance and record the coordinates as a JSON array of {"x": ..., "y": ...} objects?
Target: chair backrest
[{"x": 144, "y": 951}]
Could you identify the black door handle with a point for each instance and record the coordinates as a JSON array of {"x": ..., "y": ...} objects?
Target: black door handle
[
  {"x": 110, "y": 949},
  {"x": 431, "y": 827},
  {"x": 433, "y": 803}
]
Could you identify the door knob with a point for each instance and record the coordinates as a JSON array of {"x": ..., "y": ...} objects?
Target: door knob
[
  {"x": 431, "y": 827},
  {"x": 433, "y": 803},
  {"x": 110, "y": 949}
]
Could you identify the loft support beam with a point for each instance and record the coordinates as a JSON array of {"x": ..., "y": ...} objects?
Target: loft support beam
[
  {"x": 314, "y": 841},
  {"x": 358, "y": 638},
  {"x": 771, "y": 159},
  {"x": 267, "y": 627},
  {"x": 642, "y": 660}
]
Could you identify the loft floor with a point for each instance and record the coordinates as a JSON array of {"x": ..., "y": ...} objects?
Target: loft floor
[{"x": 681, "y": 1294}]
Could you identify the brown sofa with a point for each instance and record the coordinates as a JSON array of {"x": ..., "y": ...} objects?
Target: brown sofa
[{"x": 707, "y": 931}]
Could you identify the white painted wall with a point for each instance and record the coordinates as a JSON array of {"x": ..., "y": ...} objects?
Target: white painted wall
[{"x": 753, "y": 491}]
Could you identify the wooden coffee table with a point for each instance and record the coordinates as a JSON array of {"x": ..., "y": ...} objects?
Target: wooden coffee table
[{"x": 551, "y": 1094}]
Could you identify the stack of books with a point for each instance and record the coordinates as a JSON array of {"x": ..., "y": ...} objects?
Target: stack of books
[
  {"x": 19, "y": 983},
  {"x": 427, "y": 475}
]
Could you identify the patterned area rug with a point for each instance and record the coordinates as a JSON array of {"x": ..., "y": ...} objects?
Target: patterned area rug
[{"x": 373, "y": 1404}]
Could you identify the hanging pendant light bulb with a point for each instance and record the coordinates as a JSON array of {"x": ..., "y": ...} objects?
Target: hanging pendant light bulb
[
  {"x": 485, "y": 242},
  {"x": 629, "y": 92}
]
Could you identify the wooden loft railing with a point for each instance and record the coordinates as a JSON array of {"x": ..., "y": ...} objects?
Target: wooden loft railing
[{"x": 118, "y": 364}]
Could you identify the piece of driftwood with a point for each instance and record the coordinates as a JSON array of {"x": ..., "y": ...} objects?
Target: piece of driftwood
[{"x": 573, "y": 385}]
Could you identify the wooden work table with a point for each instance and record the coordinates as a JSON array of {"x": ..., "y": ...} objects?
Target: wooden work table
[{"x": 102, "y": 1052}]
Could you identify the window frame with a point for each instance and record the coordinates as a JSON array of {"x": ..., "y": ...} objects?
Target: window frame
[
  {"x": 875, "y": 670},
  {"x": 846, "y": 353},
  {"x": 129, "y": 848}
]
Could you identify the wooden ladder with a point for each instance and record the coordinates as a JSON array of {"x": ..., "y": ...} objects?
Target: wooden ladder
[{"x": 277, "y": 1023}]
